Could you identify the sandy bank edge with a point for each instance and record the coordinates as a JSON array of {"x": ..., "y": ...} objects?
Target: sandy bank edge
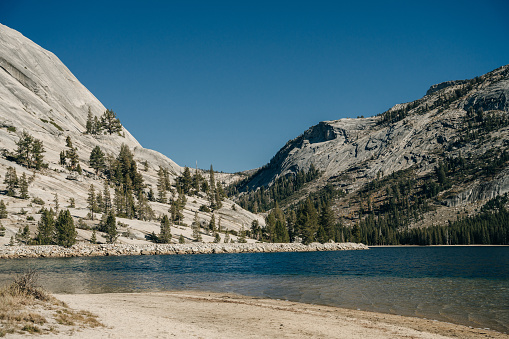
[{"x": 193, "y": 314}]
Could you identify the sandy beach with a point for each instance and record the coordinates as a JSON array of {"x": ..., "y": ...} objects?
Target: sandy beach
[{"x": 193, "y": 314}]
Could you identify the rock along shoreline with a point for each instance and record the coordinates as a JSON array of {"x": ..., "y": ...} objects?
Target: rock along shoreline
[{"x": 89, "y": 250}]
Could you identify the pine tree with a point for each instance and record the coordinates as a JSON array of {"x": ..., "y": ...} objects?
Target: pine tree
[
  {"x": 327, "y": 222},
  {"x": 63, "y": 159},
  {"x": 37, "y": 149},
  {"x": 110, "y": 122},
  {"x": 106, "y": 198},
  {"x": 242, "y": 236},
  {"x": 217, "y": 238},
  {"x": 196, "y": 228},
  {"x": 90, "y": 122},
  {"x": 97, "y": 159},
  {"x": 93, "y": 238},
  {"x": 46, "y": 228},
  {"x": 68, "y": 142},
  {"x": 72, "y": 155},
  {"x": 161, "y": 186},
  {"x": 57, "y": 205},
  {"x": 3, "y": 210},
  {"x": 227, "y": 237},
  {"x": 65, "y": 231},
  {"x": 23, "y": 150},
  {"x": 182, "y": 240},
  {"x": 92, "y": 201},
  {"x": 165, "y": 232},
  {"x": 212, "y": 188},
  {"x": 186, "y": 181},
  {"x": 111, "y": 228},
  {"x": 212, "y": 224},
  {"x": 11, "y": 180},
  {"x": 23, "y": 187}
]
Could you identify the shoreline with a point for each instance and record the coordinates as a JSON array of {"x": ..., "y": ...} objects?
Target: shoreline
[
  {"x": 90, "y": 250},
  {"x": 185, "y": 314}
]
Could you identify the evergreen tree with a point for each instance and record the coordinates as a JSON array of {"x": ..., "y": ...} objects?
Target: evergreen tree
[
  {"x": 23, "y": 187},
  {"x": 11, "y": 180},
  {"x": 97, "y": 159},
  {"x": 3, "y": 210},
  {"x": 68, "y": 142},
  {"x": 29, "y": 151},
  {"x": 196, "y": 228},
  {"x": 161, "y": 186},
  {"x": 57, "y": 205},
  {"x": 63, "y": 159},
  {"x": 92, "y": 201},
  {"x": 37, "y": 150},
  {"x": 90, "y": 123},
  {"x": 212, "y": 188},
  {"x": 46, "y": 228},
  {"x": 23, "y": 150},
  {"x": 185, "y": 181},
  {"x": 93, "y": 238},
  {"x": 165, "y": 233},
  {"x": 217, "y": 238},
  {"x": 65, "y": 231},
  {"x": 242, "y": 236},
  {"x": 307, "y": 222},
  {"x": 110, "y": 122},
  {"x": 110, "y": 227},
  {"x": 182, "y": 240},
  {"x": 212, "y": 224},
  {"x": 106, "y": 198},
  {"x": 327, "y": 223},
  {"x": 227, "y": 237},
  {"x": 72, "y": 155}
]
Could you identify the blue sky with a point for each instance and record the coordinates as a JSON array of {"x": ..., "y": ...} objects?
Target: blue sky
[{"x": 229, "y": 83}]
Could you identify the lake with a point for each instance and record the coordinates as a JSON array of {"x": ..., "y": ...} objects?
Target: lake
[{"x": 463, "y": 285}]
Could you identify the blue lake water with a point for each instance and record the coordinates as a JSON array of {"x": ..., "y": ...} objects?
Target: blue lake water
[{"x": 463, "y": 285}]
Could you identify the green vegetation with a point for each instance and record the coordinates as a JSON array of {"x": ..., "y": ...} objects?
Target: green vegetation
[{"x": 264, "y": 199}]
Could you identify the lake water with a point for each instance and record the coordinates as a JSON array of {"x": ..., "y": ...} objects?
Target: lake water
[{"x": 463, "y": 285}]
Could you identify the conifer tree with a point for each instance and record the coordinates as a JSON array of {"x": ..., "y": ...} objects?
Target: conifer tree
[
  {"x": 57, "y": 205},
  {"x": 165, "y": 232},
  {"x": 106, "y": 198},
  {"x": 23, "y": 149},
  {"x": 242, "y": 235},
  {"x": 37, "y": 158},
  {"x": 327, "y": 222},
  {"x": 212, "y": 189},
  {"x": 161, "y": 186},
  {"x": 93, "y": 238},
  {"x": 196, "y": 228},
  {"x": 65, "y": 231},
  {"x": 186, "y": 181},
  {"x": 11, "y": 180},
  {"x": 212, "y": 224},
  {"x": 3, "y": 210},
  {"x": 68, "y": 142},
  {"x": 46, "y": 228},
  {"x": 63, "y": 158},
  {"x": 97, "y": 159},
  {"x": 217, "y": 238},
  {"x": 90, "y": 122},
  {"x": 227, "y": 237},
  {"x": 182, "y": 240},
  {"x": 110, "y": 122},
  {"x": 92, "y": 201},
  {"x": 110, "y": 228},
  {"x": 23, "y": 187}
]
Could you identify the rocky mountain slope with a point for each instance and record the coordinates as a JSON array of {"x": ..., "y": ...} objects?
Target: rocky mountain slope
[
  {"x": 464, "y": 119},
  {"x": 39, "y": 95}
]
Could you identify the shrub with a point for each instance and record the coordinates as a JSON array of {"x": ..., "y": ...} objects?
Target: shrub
[
  {"x": 38, "y": 201},
  {"x": 204, "y": 208}
]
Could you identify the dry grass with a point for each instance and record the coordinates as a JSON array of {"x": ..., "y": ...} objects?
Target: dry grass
[{"x": 26, "y": 308}]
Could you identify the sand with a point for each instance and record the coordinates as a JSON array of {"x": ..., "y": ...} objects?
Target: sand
[{"x": 193, "y": 314}]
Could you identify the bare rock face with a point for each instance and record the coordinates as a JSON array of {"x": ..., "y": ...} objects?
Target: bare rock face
[
  {"x": 351, "y": 152},
  {"x": 493, "y": 97},
  {"x": 39, "y": 94}
]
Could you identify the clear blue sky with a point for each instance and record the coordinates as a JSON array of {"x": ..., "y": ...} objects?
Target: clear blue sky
[{"x": 229, "y": 83}]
